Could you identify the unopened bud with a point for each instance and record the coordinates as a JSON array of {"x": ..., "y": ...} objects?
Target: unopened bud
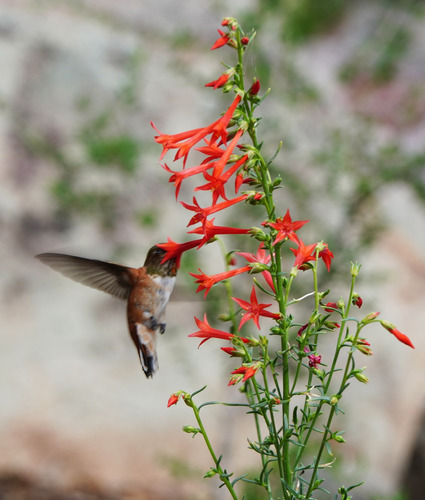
[
  {"x": 189, "y": 429},
  {"x": 255, "y": 88},
  {"x": 210, "y": 473},
  {"x": 341, "y": 304},
  {"x": 364, "y": 347},
  {"x": 369, "y": 318},
  {"x": 338, "y": 438},
  {"x": 334, "y": 400},
  {"x": 361, "y": 377},
  {"x": 257, "y": 267},
  {"x": 254, "y": 197},
  {"x": 355, "y": 269},
  {"x": 259, "y": 234}
]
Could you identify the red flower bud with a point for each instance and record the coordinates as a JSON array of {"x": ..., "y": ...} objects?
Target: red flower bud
[
  {"x": 397, "y": 334},
  {"x": 255, "y": 88}
]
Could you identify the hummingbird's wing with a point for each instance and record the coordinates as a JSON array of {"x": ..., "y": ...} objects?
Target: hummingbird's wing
[{"x": 110, "y": 278}]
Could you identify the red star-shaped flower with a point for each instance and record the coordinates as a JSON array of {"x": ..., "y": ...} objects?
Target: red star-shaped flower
[
  {"x": 285, "y": 227},
  {"x": 254, "y": 310},
  {"x": 303, "y": 254}
]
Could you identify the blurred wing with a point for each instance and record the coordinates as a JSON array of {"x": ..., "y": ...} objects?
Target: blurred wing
[{"x": 110, "y": 278}]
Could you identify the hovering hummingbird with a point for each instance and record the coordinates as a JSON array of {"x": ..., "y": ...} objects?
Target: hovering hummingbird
[{"x": 146, "y": 289}]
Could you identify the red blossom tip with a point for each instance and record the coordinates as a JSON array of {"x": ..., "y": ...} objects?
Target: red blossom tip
[
  {"x": 255, "y": 88},
  {"x": 175, "y": 250},
  {"x": 401, "y": 337},
  {"x": 173, "y": 399}
]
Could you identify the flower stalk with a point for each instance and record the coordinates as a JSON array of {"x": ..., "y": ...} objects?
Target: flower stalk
[{"x": 273, "y": 380}]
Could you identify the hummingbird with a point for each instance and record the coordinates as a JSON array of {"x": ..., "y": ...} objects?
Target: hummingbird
[{"x": 146, "y": 289}]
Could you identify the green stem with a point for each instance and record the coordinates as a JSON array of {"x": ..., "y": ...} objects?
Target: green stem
[
  {"x": 221, "y": 472},
  {"x": 229, "y": 289},
  {"x": 341, "y": 335}
]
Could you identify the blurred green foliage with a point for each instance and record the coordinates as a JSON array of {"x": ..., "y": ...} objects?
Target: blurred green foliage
[
  {"x": 377, "y": 59},
  {"x": 304, "y": 19}
]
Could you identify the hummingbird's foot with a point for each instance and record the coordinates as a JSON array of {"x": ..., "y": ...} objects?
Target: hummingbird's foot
[{"x": 154, "y": 325}]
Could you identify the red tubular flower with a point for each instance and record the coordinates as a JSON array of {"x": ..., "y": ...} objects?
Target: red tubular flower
[
  {"x": 217, "y": 180},
  {"x": 210, "y": 231},
  {"x": 246, "y": 371},
  {"x": 178, "y": 177},
  {"x": 218, "y": 128},
  {"x": 206, "y": 332},
  {"x": 223, "y": 40},
  {"x": 222, "y": 162},
  {"x": 231, "y": 351},
  {"x": 397, "y": 334},
  {"x": 171, "y": 141},
  {"x": 303, "y": 254},
  {"x": 326, "y": 255},
  {"x": 300, "y": 331},
  {"x": 330, "y": 306},
  {"x": 220, "y": 82},
  {"x": 261, "y": 258},
  {"x": 285, "y": 227},
  {"x": 357, "y": 301},
  {"x": 184, "y": 141},
  {"x": 174, "y": 250},
  {"x": 203, "y": 213},
  {"x": 254, "y": 310},
  {"x": 211, "y": 150},
  {"x": 314, "y": 361},
  {"x": 173, "y": 399},
  {"x": 206, "y": 282}
]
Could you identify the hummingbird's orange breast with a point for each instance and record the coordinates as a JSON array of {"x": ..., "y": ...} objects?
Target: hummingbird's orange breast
[{"x": 142, "y": 301}]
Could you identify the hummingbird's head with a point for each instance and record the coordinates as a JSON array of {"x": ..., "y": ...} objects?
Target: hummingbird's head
[{"x": 154, "y": 264}]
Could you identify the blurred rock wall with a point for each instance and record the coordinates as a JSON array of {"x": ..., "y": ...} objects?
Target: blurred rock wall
[{"x": 79, "y": 173}]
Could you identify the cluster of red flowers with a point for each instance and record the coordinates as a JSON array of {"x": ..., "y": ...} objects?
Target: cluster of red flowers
[{"x": 226, "y": 159}]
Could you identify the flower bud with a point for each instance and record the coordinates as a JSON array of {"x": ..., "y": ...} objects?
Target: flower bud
[
  {"x": 258, "y": 267},
  {"x": 255, "y": 88},
  {"x": 210, "y": 473},
  {"x": 330, "y": 306},
  {"x": 397, "y": 334},
  {"x": 253, "y": 342},
  {"x": 231, "y": 351},
  {"x": 369, "y": 318},
  {"x": 189, "y": 429},
  {"x": 338, "y": 438},
  {"x": 259, "y": 234},
  {"x": 332, "y": 325},
  {"x": 357, "y": 300},
  {"x": 254, "y": 198},
  {"x": 364, "y": 347},
  {"x": 334, "y": 399},
  {"x": 355, "y": 269},
  {"x": 360, "y": 376}
]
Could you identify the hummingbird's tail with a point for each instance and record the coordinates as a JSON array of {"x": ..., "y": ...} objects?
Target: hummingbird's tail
[{"x": 145, "y": 340}]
